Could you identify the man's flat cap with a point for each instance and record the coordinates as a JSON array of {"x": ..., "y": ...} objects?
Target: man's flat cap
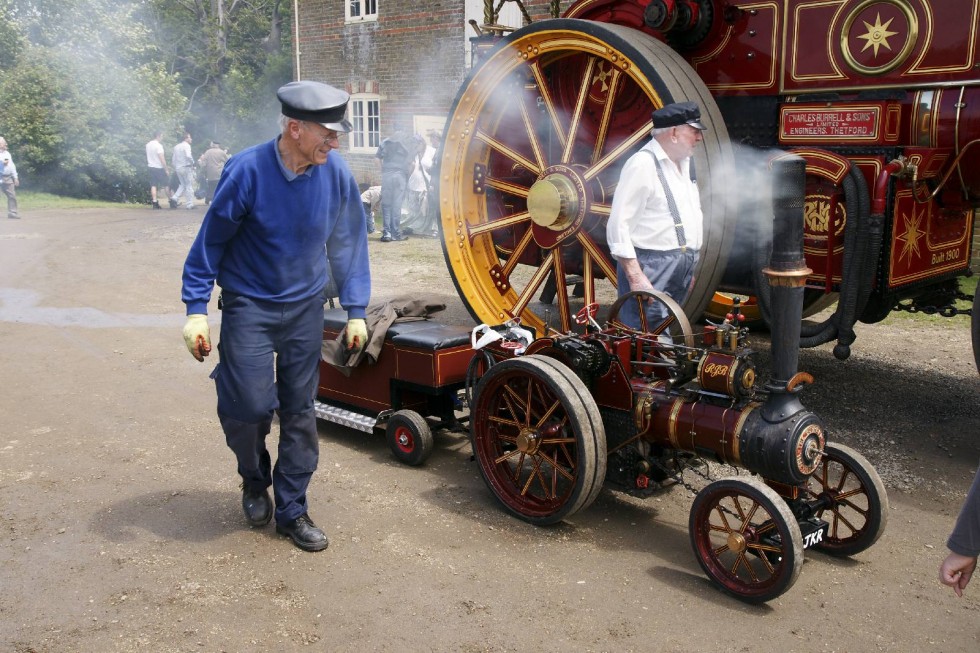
[
  {"x": 679, "y": 113},
  {"x": 315, "y": 102}
]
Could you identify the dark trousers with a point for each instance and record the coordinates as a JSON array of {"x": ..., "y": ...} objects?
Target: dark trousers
[
  {"x": 670, "y": 272},
  {"x": 269, "y": 363},
  {"x": 393, "y": 187}
]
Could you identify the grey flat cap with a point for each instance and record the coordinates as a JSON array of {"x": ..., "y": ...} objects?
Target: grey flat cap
[{"x": 315, "y": 102}]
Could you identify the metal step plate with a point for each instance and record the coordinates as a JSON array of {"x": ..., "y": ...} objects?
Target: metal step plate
[{"x": 344, "y": 417}]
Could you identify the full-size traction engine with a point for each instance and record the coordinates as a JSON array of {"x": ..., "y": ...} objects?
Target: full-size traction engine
[
  {"x": 554, "y": 418},
  {"x": 881, "y": 98}
]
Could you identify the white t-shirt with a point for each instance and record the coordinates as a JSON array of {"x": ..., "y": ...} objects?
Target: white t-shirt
[{"x": 154, "y": 154}]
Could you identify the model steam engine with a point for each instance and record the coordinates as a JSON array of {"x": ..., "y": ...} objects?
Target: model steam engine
[
  {"x": 881, "y": 98},
  {"x": 639, "y": 408}
]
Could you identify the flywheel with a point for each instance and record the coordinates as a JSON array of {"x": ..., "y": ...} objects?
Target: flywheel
[{"x": 531, "y": 156}]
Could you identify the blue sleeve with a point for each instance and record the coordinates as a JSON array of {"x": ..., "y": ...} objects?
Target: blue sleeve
[
  {"x": 347, "y": 251},
  {"x": 965, "y": 538},
  {"x": 221, "y": 223}
]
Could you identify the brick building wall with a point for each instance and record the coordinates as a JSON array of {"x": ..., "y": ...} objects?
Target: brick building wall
[{"x": 412, "y": 57}]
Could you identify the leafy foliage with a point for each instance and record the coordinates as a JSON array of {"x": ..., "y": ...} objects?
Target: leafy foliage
[{"x": 85, "y": 83}]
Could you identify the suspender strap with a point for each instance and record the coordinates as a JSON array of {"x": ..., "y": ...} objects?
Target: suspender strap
[{"x": 671, "y": 204}]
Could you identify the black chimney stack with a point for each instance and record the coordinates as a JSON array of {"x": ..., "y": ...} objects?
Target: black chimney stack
[{"x": 787, "y": 273}]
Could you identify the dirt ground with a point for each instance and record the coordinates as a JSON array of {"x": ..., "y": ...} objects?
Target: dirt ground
[{"x": 122, "y": 528}]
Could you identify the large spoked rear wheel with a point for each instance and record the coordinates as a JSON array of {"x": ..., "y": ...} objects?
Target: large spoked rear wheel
[
  {"x": 538, "y": 439},
  {"x": 850, "y": 497},
  {"x": 746, "y": 539},
  {"x": 975, "y": 326},
  {"x": 531, "y": 157}
]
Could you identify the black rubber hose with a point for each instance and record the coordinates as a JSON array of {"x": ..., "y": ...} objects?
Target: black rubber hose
[{"x": 857, "y": 272}]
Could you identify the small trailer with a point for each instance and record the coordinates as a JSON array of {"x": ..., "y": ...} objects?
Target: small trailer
[{"x": 413, "y": 388}]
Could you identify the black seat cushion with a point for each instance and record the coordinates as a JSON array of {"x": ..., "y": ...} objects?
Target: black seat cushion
[{"x": 435, "y": 336}]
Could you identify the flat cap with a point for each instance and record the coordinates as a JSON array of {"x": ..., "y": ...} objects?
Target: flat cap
[
  {"x": 679, "y": 113},
  {"x": 315, "y": 102}
]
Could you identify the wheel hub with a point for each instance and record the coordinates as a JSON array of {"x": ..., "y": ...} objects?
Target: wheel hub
[
  {"x": 528, "y": 442},
  {"x": 551, "y": 201},
  {"x": 557, "y": 203},
  {"x": 736, "y": 542}
]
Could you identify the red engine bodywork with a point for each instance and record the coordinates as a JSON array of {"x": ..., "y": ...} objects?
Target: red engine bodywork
[{"x": 848, "y": 83}]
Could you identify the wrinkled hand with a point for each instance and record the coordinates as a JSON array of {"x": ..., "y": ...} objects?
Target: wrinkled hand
[
  {"x": 956, "y": 571},
  {"x": 356, "y": 335},
  {"x": 197, "y": 335}
]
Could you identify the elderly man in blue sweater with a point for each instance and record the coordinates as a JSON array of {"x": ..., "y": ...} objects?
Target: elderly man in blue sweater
[{"x": 286, "y": 217}]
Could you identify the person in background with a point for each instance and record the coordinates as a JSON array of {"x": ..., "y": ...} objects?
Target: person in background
[
  {"x": 285, "y": 221},
  {"x": 212, "y": 162},
  {"x": 957, "y": 568},
  {"x": 396, "y": 154},
  {"x": 183, "y": 162},
  {"x": 371, "y": 199},
  {"x": 420, "y": 220},
  {"x": 156, "y": 164},
  {"x": 9, "y": 180}
]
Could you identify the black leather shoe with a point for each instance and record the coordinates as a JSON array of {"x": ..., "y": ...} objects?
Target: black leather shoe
[
  {"x": 304, "y": 533},
  {"x": 257, "y": 506}
]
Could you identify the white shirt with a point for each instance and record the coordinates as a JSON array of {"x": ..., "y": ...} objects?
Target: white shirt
[
  {"x": 182, "y": 155},
  {"x": 7, "y": 168},
  {"x": 417, "y": 181},
  {"x": 640, "y": 217},
  {"x": 154, "y": 154}
]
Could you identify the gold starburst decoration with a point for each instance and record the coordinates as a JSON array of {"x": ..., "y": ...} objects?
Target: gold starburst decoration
[
  {"x": 910, "y": 239},
  {"x": 877, "y": 35}
]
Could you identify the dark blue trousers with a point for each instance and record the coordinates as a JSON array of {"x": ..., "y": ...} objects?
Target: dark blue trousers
[
  {"x": 269, "y": 362},
  {"x": 670, "y": 272}
]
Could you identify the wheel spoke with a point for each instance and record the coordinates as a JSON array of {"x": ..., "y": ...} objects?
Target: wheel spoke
[
  {"x": 515, "y": 256},
  {"x": 533, "y": 284},
  {"x": 494, "y": 225},
  {"x": 583, "y": 93},
  {"x": 508, "y": 152},
  {"x": 607, "y": 112},
  {"x": 590, "y": 247},
  {"x": 561, "y": 291},
  {"x": 507, "y": 187},
  {"x": 618, "y": 152},
  {"x": 535, "y": 467},
  {"x": 545, "y": 93},
  {"x": 532, "y": 137}
]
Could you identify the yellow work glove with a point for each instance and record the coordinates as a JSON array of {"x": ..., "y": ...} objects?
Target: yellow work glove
[
  {"x": 197, "y": 335},
  {"x": 356, "y": 335}
]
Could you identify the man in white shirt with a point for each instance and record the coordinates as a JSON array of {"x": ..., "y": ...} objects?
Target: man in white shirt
[
  {"x": 183, "y": 162},
  {"x": 655, "y": 225},
  {"x": 8, "y": 179},
  {"x": 156, "y": 163}
]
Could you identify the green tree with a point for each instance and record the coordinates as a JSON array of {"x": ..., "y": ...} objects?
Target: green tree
[
  {"x": 230, "y": 56},
  {"x": 84, "y": 96}
]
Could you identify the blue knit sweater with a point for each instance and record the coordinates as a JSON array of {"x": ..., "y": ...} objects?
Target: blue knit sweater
[{"x": 263, "y": 236}]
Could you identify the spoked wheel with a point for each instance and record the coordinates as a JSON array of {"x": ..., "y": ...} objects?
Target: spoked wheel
[
  {"x": 675, "y": 324},
  {"x": 850, "y": 497},
  {"x": 538, "y": 439},
  {"x": 409, "y": 437},
  {"x": 532, "y": 153},
  {"x": 746, "y": 538},
  {"x": 975, "y": 326}
]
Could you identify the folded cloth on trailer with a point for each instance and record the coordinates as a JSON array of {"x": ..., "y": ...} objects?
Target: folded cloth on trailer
[{"x": 379, "y": 316}]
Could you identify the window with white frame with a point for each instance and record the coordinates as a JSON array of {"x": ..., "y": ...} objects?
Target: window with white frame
[
  {"x": 358, "y": 10},
  {"x": 365, "y": 116}
]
